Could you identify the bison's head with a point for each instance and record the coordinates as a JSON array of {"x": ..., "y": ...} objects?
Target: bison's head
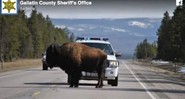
[{"x": 52, "y": 55}]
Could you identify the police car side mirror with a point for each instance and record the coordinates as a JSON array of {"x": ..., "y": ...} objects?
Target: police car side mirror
[{"x": 118, "y": 54}]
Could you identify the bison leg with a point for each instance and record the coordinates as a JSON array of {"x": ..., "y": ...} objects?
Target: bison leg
[
  {"x": 73, "y": 79},
  {"x": 77, "y": 77},
  {"x": 72, "y": 83},
  {"x": 76, "y": 83},
  {"x": 100, "y": 79}
]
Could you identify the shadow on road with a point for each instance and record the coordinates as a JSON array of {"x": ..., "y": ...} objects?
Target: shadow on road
[
  {"x": 39, "y": 69},
  {"x": 50, "y": 83}
]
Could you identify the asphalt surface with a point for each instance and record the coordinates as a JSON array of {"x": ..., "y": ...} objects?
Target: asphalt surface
[{"x": 135, "y": 82}]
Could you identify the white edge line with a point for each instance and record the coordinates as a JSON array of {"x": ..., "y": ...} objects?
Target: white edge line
[{"x": 148, "y": 92}]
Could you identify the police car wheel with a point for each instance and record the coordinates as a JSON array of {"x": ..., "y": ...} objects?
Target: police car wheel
[
  {"x": 113, "y": 82},
  {"x": 44, "y": 67}
]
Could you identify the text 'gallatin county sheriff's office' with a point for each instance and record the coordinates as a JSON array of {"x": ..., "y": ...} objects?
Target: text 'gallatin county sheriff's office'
[{"x": 55, "y": 3}]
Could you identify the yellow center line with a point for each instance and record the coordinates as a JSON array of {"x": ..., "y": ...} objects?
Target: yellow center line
[{"x": 36, "y": 93}]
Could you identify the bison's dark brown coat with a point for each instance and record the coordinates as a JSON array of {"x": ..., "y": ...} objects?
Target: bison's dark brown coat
[{"x": 74, "y": 58}]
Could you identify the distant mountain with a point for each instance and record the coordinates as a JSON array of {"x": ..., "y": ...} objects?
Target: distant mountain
[{"x": 124, "y": 34}]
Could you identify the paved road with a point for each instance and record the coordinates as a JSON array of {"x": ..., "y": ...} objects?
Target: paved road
[{"x": 135, "y": 82}]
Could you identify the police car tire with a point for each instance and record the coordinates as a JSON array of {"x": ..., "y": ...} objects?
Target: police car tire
[
  {"x": 44, "y": 67},
  {"x": 115, "y": 82}
]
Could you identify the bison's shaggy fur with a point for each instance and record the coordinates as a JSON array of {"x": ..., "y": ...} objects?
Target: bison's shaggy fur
[{"x": 74, "y": 58}]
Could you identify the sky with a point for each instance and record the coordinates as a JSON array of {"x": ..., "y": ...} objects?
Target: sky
[
  {"x": 123, "y": 34},
  {"x": 110, "y": 9}
]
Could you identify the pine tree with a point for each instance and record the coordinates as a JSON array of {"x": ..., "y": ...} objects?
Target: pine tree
[
  {"x": 145, "y": 50},
  {"x": 171, "y": 36},
  {"x": 177, "y": 34},
  {"x": 22, "y": 37},
  {"x": 33, "y": 24},
  {"x": 25, "y": 38},
  {"x": 164, "y": 38}
]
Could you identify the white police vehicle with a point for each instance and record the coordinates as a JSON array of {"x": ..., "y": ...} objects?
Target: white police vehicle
[{"x": 112, "y": 65}]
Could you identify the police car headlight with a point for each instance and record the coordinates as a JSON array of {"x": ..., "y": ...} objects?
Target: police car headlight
[
  {"x": 113, "y": 64},
  {"x": 44, "y": 58}
]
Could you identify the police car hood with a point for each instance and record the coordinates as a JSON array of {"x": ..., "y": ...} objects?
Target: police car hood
[{"x": 111, "y": 57}]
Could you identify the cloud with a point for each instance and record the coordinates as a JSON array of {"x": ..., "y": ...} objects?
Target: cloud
[
  {"x": 138, "y": 35},
  {"x": 86, "y": 26},
  {"x": 60, "y": 26},
  {"x": 113, "y": 29},
  {"x": 73, "y": 28},
  {"x": 76, "y": 29},
  {"x": 80, "y": 29},
  {"x": 139, "y": 24},
  {"x": 118, "y": 29}
]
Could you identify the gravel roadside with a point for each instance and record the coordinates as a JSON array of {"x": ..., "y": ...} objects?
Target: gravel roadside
[{"x": 167, "y": 69}]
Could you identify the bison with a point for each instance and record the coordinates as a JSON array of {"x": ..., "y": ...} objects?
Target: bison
[{"x": 74, "y": 58}]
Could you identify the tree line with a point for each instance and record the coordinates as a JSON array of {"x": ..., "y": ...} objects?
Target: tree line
[
  {"x": 146, "y": 50},
  {"x": 23, "y": 37},
  {"x": 171, "y": 38}
]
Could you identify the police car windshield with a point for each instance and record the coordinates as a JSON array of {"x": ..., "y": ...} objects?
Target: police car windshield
[{"x": 105, "y": 47}]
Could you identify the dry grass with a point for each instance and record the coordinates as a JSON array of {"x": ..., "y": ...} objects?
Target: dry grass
[
  {"x": 163, "y": 69},
  {"x": 20, "y": 64}
]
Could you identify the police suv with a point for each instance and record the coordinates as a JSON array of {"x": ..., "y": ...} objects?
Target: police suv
[{"x": 112, "y": 64}]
